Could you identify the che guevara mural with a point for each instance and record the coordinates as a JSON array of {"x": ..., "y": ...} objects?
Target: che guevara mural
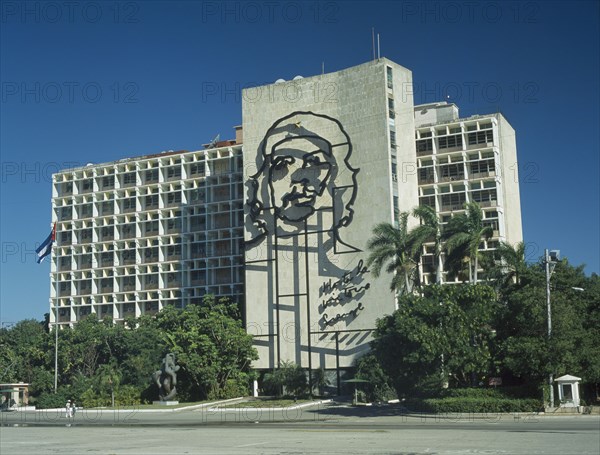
[{"x": 307, "y": 283}]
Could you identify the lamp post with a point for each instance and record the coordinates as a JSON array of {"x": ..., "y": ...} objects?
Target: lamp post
[{"x": 550, "y": 259}]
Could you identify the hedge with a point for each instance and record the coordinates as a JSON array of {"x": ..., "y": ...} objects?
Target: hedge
[{"x": 474, "y": 404}]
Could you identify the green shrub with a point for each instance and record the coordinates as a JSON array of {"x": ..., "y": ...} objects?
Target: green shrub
[
  {"x": 128, "y": 395},
  {"x": 289, "y": 379},
  {"x": 50, "y": 400},
  {"x": 477, "y": 404}
]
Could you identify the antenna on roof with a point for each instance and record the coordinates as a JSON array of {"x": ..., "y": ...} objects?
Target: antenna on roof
[
  {"x": 378, "y": 48},
  {"x": 373, "y": 36},
  {"x": 322, "y": 67},
  {"x": 214, "y": 141}
]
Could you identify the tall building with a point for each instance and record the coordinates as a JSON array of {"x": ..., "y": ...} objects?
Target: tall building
[
  {"x": 462, "y": 160},
  {"x": 281, "y": 220},
  {"x": 138, "y": 234}
]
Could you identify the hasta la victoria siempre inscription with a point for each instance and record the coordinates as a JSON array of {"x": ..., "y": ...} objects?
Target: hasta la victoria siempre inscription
[{"x": 348, "y": 288}]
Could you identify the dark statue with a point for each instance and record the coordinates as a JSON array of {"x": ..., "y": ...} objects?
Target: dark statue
[{"x": 166, "y": 378}]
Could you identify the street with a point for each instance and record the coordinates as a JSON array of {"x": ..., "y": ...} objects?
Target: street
[{"x": 326, "y": 429}]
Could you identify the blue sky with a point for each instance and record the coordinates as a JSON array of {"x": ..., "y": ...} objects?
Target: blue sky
[{"x": 98, "y": 81}]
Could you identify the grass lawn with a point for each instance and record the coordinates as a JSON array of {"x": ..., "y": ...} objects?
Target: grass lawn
[
  {"x": 283, "y": 403},
  {"x": 154, "y": 406}
]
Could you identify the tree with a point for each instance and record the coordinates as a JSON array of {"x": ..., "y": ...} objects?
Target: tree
[
  {"x": 25, "y": 354},
  {"x": 463, "y": 235},
  {"x": 525, "y": 351},
  {"x": 211, "y": 346},
  {"x": 378, "y": 386},
  {"x": 288, "y": 379},
  {"x": 391, "y": 245},
  {"x": 428, "y": 231},
  {"x": 446, "y": 332},
  {"x": 510, "y": 264}
]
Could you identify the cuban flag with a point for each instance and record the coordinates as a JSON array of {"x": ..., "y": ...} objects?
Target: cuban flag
[{"x": 46, "y": 247}]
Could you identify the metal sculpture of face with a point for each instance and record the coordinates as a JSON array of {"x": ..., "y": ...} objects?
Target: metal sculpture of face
[{"x": 299, "y": 173}]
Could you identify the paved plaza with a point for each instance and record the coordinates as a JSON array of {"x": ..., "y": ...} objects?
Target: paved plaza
[{"x": 325, "y": 428}]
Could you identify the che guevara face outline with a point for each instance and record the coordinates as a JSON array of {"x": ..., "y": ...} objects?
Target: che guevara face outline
[{"x": 298, "y": 176}]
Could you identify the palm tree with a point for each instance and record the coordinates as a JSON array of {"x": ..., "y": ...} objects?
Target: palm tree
[
  {"x": 511, "y": 261},
  {"x": 463, "y": 234},
  {"x": 428, "y": 231},
  {"x": 391, "y": 244}
]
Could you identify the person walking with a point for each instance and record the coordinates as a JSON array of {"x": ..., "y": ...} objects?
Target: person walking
[{"x": 68, "y": 409}]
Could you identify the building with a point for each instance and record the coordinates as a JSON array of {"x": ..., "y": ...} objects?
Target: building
[
  {"x": 138, "y": 234},
  {"x": 281, "y": 219},
  {"x": 462, "y": 160}
]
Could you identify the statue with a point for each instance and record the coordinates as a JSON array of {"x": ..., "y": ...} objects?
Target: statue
[{"x": 166, "y": 378}]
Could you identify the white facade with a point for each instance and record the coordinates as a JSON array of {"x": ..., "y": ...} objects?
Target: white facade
[
  {"x": 321, "y": 171},
  {"x": 138, "y": 234},
  {"x": 471, "y": 159}
]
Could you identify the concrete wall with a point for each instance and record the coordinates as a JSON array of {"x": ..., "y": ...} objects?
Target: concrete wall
[
  {"x": 510, "y": 181},
  {"x": 318, "y": 178}
]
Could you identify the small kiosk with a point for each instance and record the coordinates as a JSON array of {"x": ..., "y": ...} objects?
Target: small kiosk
[
  {"x": 14, "y": 395},
  {"x": 568, "y": 391}
]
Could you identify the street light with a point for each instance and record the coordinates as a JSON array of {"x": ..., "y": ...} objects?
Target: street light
[{"x": 550, "y": 260}]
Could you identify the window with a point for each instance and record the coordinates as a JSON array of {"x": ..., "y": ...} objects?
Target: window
[
  {"x": 389, "y": 74},
  {"x": 85, "y": 211},
  {"x": 108, "y": 182},
  {"x": 66, "y": 213},
  {"x": 151, "y": 176},
  {"x": 480, "y": 137},
  {"x": 393, "y": 138},
  {"x": 151, "y": 227},
  {"x": 107, "y": 233},
  {"x": 86, "y": 186},
  {"x": 151, "y": 254},
  {"x": 174, "y": 172},
  {"x": 427, "y": 200},
  {"x": 452, "y": 172},
  {"x": 107, "y": 208},
  {"x": 425, "y": 175},
  {"x": 424, "y": 145},
  {"x": 453, "y": 201},
  {"x": 197, "y": 169},
  {"x": 174, "y": 198},
  {"x": 106, "y": 259},
  {"x": 85, "y": 235},
  {"x": 129, "y": 179},
  {"x": 174, "y": 250},
  {"x": 151, "y": 201},
  {"x": 484, "y": 196},
  {"x": 482, "y": 167},
  {"x": 450, "y": 141},
  {"x": 129, "y": 204}
]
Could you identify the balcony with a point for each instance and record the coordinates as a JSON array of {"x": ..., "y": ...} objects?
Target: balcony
[
  {"x": 487, "y": 203},
  {"x": 482, "y": 175},
  {"x": 451, "y": 208},
  {"x": 452, "y": 178}
]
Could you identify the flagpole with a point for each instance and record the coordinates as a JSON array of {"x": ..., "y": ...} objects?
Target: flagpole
[{"x": 55, "y": 312}]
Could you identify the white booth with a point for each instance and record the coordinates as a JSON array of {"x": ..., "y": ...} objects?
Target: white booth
[{"x": 568, "y": 391}]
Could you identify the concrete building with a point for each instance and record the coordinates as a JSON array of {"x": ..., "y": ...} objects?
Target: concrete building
[
  {"x": 282, "y": 221},
  {"x": 321, "y": 171},
  {"x": 462, "y": 160},
  {"x": 138, "y": 234}
]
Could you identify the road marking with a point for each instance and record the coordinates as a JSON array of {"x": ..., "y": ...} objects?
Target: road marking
[{"x": 253, "y": 444}]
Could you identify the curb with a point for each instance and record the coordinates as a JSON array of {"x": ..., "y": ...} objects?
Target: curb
[{"x": 287, "y": 408}]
